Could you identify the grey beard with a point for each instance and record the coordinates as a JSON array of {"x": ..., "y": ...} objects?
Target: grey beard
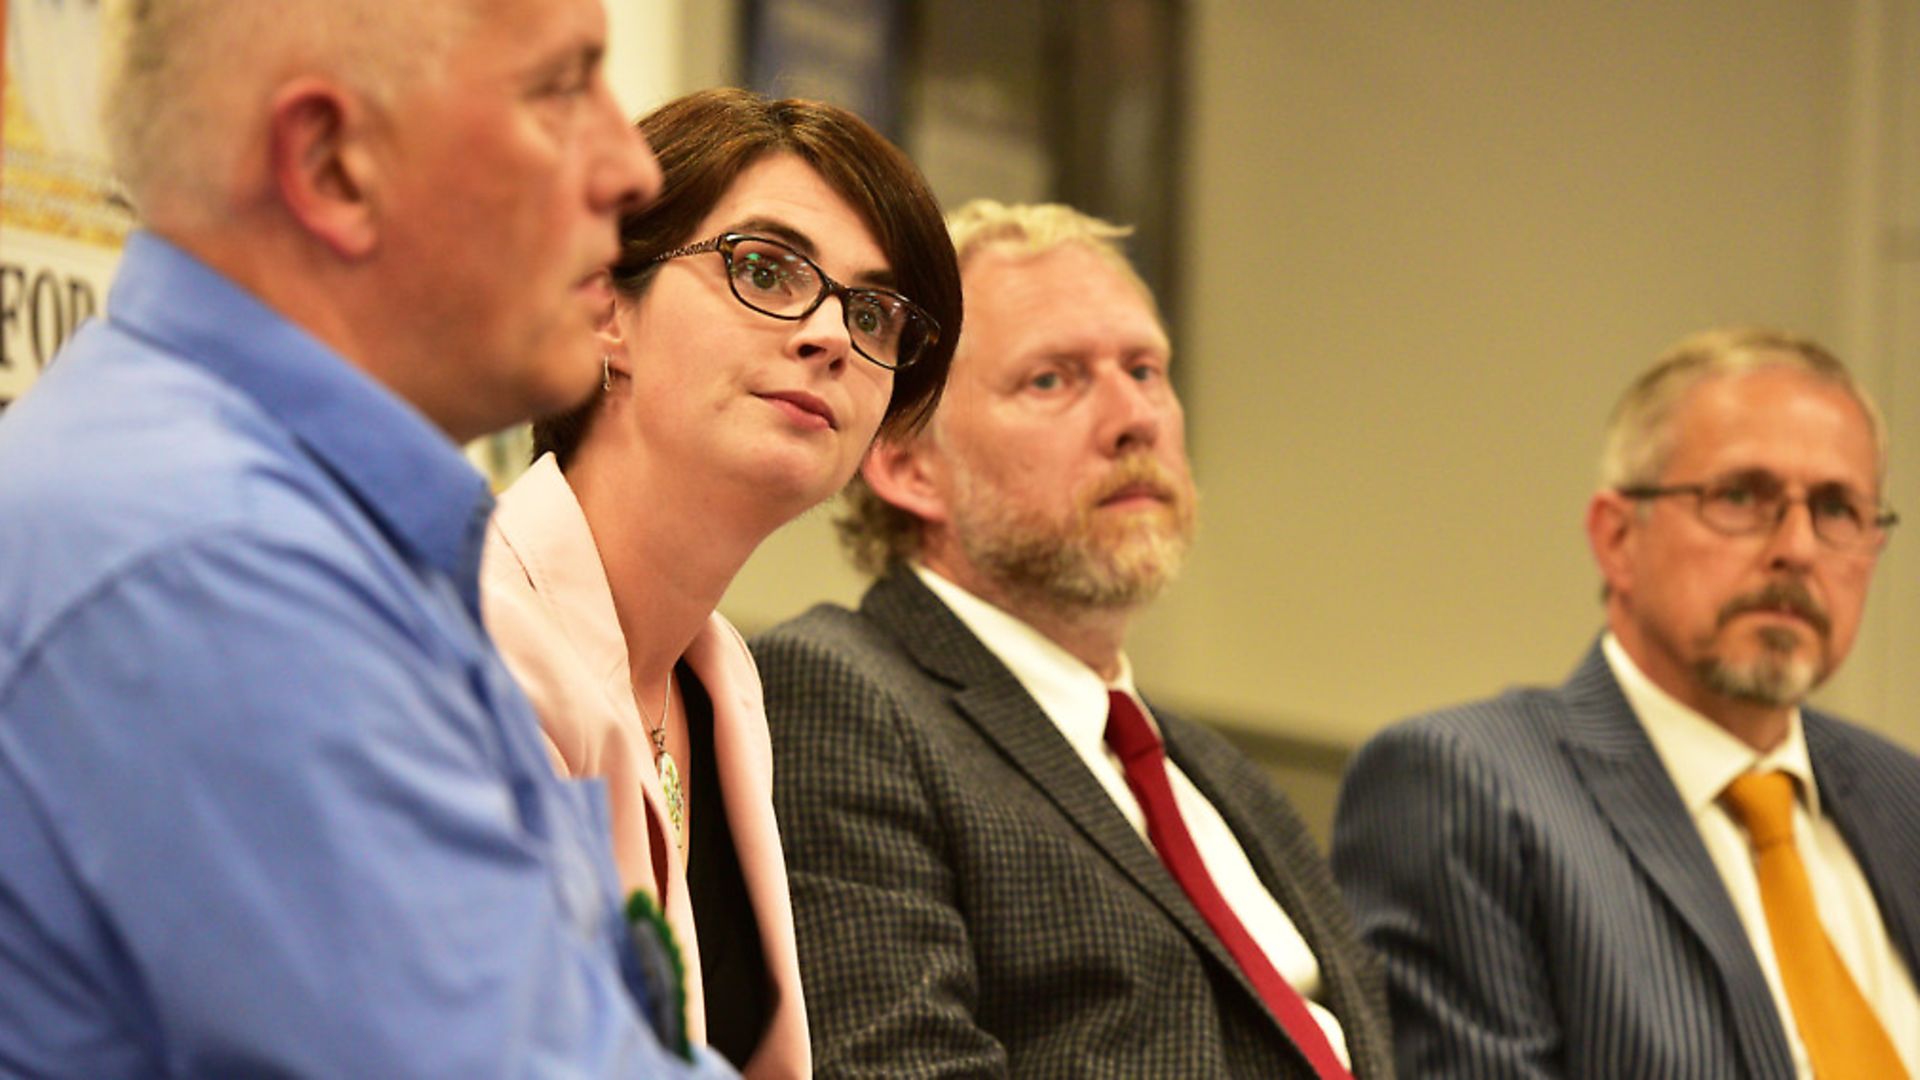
[{"x": 1777, "y": 678}]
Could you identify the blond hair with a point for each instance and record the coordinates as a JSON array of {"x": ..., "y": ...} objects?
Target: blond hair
[{"x": 1036, "y": 228}]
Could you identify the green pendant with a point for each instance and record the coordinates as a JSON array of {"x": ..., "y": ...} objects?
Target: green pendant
[{"x": 676, "y": 798}]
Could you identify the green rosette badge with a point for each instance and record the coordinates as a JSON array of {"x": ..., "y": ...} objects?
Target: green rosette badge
[{"x": 664, "y": 970}]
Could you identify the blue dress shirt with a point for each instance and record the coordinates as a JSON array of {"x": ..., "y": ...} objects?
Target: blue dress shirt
[{"x": 269, "y": 801}]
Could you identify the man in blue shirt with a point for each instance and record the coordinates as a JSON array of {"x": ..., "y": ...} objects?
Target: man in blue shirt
[{"x": 269, "y": 802}]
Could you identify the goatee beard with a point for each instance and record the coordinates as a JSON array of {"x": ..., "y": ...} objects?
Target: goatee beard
[{"x": 1779, "y": 677}]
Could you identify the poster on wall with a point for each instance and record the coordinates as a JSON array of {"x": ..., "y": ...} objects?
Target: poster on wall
[
  {"x": 61, "y": 228},
  {"x": 844, "y": 51}
]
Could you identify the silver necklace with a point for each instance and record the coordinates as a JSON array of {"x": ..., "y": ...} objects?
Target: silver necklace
[{"x": 668, "y": 768}]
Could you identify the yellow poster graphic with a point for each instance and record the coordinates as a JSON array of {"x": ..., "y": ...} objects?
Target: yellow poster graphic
[{"x": 61, "y": 224}]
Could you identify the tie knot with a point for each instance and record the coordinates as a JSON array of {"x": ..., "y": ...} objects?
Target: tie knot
[
  {"x": 1127, "y": 729},
  {"x": 1764, "y": 804}
]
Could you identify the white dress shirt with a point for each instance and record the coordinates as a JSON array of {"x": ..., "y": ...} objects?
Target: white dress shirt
[
  {"x": 1074, "y": 697},
  {"x": 1703, "y": 758}
]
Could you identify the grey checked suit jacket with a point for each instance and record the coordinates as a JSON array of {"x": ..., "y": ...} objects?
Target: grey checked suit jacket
[
  {"x": 1545, "y": 905},
  {"x": 969, "y": 901}
]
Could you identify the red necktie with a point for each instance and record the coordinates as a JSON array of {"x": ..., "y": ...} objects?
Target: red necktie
[{"x": 1146, "y": 764}]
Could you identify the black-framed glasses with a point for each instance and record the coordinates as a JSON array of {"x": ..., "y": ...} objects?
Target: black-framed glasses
[
  {"x": 773, "y": 279},
  {"x": 1752, "y": 503}
]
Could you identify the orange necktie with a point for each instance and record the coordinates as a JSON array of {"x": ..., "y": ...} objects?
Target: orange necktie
[{"x": 1843, "y": 1036}]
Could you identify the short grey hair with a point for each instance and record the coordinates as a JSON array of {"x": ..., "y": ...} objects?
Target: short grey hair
[
  {"x": 1640, "y": 434},
  {"x": 184, "y": 82}
]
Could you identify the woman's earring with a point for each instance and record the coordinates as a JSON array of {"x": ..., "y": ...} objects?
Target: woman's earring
[{"x": 606, "y": 372}]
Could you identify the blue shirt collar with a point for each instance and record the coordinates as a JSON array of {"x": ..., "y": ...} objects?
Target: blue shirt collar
[{"x": 408, "y": 475}]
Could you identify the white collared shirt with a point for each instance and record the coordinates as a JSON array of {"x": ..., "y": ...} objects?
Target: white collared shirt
[
  {"x": 1703, "y": 758},
  {"x": 1074, "y": 697}
]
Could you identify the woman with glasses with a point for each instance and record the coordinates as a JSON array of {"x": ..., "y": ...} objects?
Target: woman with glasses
[{"x": 790, "y": 293}]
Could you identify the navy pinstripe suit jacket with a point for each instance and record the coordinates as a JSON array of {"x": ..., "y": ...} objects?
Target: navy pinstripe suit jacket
[
  {"x": 970, "y": 902},
  {"x": 1545, "y": 905}
]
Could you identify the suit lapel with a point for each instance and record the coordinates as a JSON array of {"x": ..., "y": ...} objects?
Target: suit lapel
[
  {"x": 1281, "y": 882},
  {"x": 1269, "y": 859},
  {"x": 991, "y": 699},
  {"x": 1340, "y": 984},
  {"x": 1874, "y": 823},
  {"x": 1630, "y": 786}
]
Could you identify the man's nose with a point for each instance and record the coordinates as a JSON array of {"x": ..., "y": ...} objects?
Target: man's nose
[
  {"x": 627, "y": 177},
  {"x": 1131, "y": 415},
  {"x": 1793, "y": 542}
]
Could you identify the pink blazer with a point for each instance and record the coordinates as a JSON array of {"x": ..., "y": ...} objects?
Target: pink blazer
[{"x": 550, "y": 610}]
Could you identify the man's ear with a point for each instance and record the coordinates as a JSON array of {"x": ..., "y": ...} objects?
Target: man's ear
[
  {"x": 322, "y": 165},
  {"x": 1611, "y": 534},
  {"x": 902, "y": 471}
]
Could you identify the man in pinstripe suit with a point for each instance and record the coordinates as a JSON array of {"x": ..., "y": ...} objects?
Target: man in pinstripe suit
[
  {"x": 1559, "y": 879},
  {"x": 974, "y": 888}
]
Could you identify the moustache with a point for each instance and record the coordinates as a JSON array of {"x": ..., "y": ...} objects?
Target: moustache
[
  {"x": 1139, "y": 474},
  {"x": 1790, "y": 596}
]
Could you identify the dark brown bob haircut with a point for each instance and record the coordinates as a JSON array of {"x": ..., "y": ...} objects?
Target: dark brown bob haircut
[{"x": 705, "y": 140}]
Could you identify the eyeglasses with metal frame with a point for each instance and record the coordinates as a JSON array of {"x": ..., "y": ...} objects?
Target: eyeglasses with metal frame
[
  {"x": 1748, "y": 504},
  {"x": 772, "y": 278}
]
